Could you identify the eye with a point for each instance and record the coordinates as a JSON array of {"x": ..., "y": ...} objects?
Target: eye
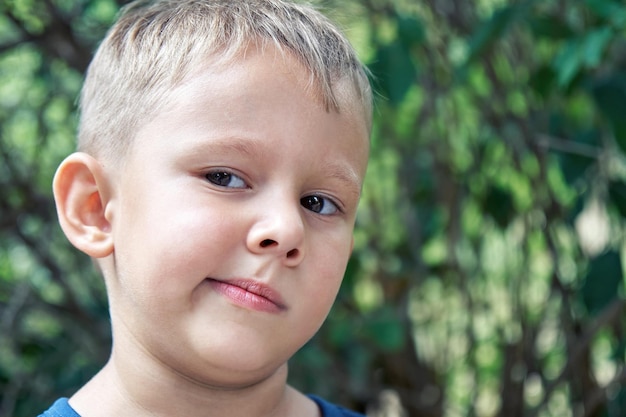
[
  {"x": 226, "y": 179},
  {"x": 319, "y": 205}
]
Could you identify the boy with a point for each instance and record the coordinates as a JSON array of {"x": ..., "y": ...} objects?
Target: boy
[{"x": 222, "y": 150}]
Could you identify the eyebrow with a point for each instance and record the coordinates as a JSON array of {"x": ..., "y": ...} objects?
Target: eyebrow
[
  {"x": 234, "y": 144},
  {"x": 345, "y": 175},
  {"x": 252, "y": 149}
]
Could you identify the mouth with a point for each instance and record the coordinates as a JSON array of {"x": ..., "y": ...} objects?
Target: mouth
[{"x": 249, "y": 294}]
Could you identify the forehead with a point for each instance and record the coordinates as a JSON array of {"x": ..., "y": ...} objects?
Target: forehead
[
  {"x": 346, "y": 91},
  {"x": 264, "y": 95}
]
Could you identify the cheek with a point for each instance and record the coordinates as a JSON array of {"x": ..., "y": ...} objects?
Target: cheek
[
  {"x": 169, "y": 246},
  {"x": 329, "y": 267},
  {"x": 318, "y": 297}
]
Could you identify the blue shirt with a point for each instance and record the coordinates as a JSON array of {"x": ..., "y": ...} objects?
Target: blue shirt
[{"x": 61, "y": 408}]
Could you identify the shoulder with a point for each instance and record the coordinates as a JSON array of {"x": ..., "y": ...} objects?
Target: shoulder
[
  {"x": 332, "y": 410},
  {"x": 61, "y": 408}
]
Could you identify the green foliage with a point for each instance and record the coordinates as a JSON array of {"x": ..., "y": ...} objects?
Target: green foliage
[
  {"x": 603, "y": 281},
  {"x": 610, "y": 95},
  {"x": 487, "y": 277}
]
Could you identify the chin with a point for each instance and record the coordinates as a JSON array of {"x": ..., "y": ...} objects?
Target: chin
[
  {"x": 234, "y": 366},
  {"x": 239, "y": 378}
]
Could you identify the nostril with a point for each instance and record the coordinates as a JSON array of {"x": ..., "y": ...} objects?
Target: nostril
[
  {"x": 267, "y": 242},
  {"x": 292, "y": 253}
]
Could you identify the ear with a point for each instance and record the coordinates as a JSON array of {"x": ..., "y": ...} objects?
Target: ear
[{"x": 82, "y": 195}]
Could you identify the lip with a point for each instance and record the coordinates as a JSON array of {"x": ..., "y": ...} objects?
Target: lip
[{"x": 249, "y": 294}]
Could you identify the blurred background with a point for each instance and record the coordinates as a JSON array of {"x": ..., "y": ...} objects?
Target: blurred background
[{"x": 487, "y": 277}]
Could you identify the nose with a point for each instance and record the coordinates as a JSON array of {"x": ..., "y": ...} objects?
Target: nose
[{"x": 279, "y": 230}]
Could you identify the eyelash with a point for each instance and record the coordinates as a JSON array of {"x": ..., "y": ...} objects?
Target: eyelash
[{"x": 222, "y": 178}]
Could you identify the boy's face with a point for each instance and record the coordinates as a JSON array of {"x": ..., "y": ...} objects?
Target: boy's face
[{"x": 232, "y": 221}]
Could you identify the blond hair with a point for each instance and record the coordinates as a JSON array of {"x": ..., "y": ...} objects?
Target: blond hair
[{"x": 154, "y": 45}]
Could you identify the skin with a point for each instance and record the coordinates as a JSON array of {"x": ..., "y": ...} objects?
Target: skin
[{"x": 223, "y": 239}]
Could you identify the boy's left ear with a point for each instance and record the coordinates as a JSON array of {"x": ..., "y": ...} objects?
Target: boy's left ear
[{"x": 83, "y": 201}]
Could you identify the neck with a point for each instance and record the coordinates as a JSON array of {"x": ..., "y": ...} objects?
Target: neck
[{"x": 144, "y": 388}]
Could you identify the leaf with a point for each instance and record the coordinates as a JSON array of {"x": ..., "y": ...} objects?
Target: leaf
[
  {"x": 543, "y": 81},
  {"x": 617, "y": 194},
  {"x": 549, "y": 27},
  {"x": 498, "y": 204},
  {"x": 603, "y": 281},
  {"x": 610, "y": 97},
  {"x": 594, "y": 45},
  {"x": 617, "y": 400},
  {"x": 492, "y": 30},
  {"x": 340, "y": 332},
  {"x": 568, "y": 62},
  {"x": 410, "y": 30},
  {"x": 581, "y": 53},
  {"x": 385, "y": 330},
  {"x": 394, "y": 71},
  {"x": 609, "y": 10},
  {"x": 575, "y": 165}
]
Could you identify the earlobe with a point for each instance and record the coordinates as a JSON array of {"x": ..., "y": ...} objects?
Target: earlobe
[{"x": 82, "y": 196}]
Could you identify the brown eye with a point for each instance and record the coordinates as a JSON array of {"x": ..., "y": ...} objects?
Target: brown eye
[
  {"x": 319, "y": 204},
  {"x": 225, "y": 179}
]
